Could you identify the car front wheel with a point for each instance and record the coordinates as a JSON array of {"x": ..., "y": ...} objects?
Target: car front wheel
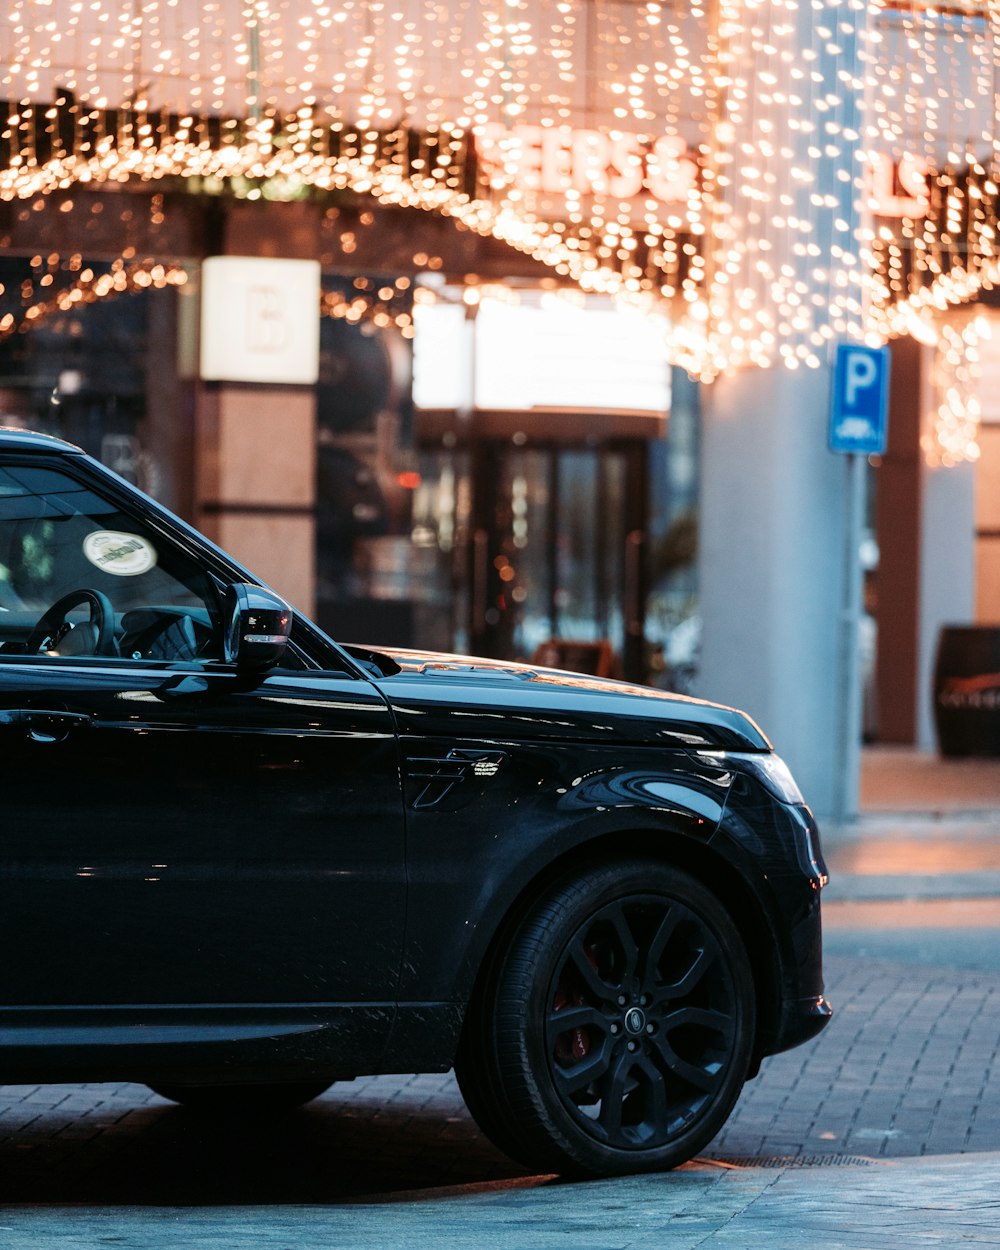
[{"x": 614, "y": 1031}]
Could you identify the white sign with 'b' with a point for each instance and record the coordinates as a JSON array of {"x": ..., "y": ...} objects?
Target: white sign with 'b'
[{"x": 260, "y": 320}]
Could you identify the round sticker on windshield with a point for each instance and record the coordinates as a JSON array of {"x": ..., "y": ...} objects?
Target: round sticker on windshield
[{"x": 124, "y": 555}]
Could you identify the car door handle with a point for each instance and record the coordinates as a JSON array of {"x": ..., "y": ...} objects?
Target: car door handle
[{"x": 43, "y": 725}]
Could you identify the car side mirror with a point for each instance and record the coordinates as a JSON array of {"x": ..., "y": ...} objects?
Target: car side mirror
[{"x": 258, "y": 625}]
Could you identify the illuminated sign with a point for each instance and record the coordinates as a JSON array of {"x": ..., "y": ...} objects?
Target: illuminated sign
[
  {"x": 898, "y": 188},
  {"x": 542, "y": 354},
  {"x": 557, "y": 159}
]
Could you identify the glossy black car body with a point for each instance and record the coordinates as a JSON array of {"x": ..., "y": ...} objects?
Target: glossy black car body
[{"x": 237, "y": 868}]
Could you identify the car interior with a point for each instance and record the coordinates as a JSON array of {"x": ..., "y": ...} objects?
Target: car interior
[{"x": 79, "y": 577}]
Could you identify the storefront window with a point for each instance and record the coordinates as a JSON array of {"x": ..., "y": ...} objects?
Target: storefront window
[
  {"x": 503, "y": 532},
  {"x": 101, "y": 374},
  {"x": 673, "y": 623},
  {"x": 389, "y": 520}
]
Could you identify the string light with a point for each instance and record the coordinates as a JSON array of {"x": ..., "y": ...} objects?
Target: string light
[
  {"x": 87, "y": 287},
  {"x": 366, "y": 301},
  {"x": 952, "y": 434},
  {"x": 371, "y": 301},
  {"x": 708, "y": 160}
]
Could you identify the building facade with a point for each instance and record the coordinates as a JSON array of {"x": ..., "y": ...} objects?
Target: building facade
[{"x": 577, "y": 273}]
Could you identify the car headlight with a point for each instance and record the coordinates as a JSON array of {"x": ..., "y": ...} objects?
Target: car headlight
[
  {"x": 775, "y": 776},
  {"x": 769, "y": 769}
]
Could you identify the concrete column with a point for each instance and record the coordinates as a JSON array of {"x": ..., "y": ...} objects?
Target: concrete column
[
  {"x": 771, "y": 568},
  {"x": 256, "y": 481},
  {"x": 255, "y": 464}
]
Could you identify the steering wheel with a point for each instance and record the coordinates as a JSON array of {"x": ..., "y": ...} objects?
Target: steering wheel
[{"x": 93, "y": 637}]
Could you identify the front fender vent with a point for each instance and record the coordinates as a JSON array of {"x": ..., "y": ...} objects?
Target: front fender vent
[{"x": 451, "y": 779}]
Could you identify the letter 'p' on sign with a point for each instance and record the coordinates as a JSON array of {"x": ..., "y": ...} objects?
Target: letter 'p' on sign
[
  {"x": 860, "y": 373},
  {"x": 859, "y": 405}
]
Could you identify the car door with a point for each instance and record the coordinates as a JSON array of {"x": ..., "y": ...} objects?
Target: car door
[{"x": 176, "y": 830}]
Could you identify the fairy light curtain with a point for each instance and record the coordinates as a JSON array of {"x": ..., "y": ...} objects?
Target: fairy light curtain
[
  {"x": 777, "y": 174},
  {"x": 932, "y": 76}
]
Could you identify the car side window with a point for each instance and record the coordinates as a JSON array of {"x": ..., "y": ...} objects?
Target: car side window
[{"x": 78, "y": 576}]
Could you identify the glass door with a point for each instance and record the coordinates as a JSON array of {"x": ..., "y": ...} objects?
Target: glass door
[{"x": 556, "y": 555}]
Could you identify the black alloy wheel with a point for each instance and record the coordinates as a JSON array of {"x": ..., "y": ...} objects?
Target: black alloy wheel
[
  {"x": 241, "y": 1099},
  {"x": 616, "y": 1029}
]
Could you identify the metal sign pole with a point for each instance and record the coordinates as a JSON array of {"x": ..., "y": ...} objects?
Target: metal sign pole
[
  {"x": 858, "y": 416},
  {"x": 848, "y": 756}
]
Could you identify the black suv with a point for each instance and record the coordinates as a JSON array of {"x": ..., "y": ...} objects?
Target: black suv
[{"x": 241, "y": 861}]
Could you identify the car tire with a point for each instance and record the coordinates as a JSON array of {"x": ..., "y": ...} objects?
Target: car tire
[
  {"x": 614, "y": 1031},
  {"x": 241, "y": 1099}
]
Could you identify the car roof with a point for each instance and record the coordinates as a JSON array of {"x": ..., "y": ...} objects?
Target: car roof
[{"x": 12, "y": 439}]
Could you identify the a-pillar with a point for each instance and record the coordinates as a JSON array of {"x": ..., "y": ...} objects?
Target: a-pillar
[{"x": 773, "y": 511}]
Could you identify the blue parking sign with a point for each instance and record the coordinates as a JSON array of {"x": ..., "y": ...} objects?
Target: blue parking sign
[{"x": 859, "y": 408}]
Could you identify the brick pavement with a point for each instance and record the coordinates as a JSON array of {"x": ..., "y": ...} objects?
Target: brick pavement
[{"x": 907, "y": 1068}]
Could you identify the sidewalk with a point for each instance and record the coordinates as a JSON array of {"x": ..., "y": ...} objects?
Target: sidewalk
[
  {"x": 943, "y": 1202},
  {"x": 902, "y": 779},
  {"x": 929, "y": 828}
]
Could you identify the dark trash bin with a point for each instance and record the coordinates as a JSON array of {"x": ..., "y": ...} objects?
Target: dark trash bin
[{"x": 967, "y": 690}]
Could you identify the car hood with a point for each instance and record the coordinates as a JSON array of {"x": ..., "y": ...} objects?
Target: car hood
[{"x": 436, "y": 693}]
